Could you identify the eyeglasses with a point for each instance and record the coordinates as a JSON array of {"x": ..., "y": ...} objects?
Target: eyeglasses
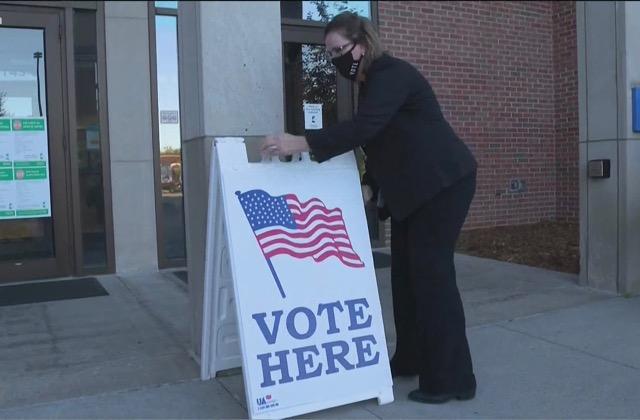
[{"x": 338, "y": 51}]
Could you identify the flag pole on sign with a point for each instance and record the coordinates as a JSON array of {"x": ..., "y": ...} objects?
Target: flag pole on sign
[
  {"x": 273, "y": 271},
  {"x": 275, "y": 276}
]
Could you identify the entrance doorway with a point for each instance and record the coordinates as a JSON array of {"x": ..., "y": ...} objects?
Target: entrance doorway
[
  {"x": 34, "y": 216},
  {"x": 315, "y": 95}
]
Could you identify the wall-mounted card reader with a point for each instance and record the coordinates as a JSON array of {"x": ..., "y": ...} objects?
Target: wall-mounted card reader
[
  {"x": 635, "y": 109},
  {"x": 600, "y": 168}
]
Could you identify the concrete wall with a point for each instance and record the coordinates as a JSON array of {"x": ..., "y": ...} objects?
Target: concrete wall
[
  {"x": 629, "y": 150},
  {"x": 129, "y": 108},
  {"x": 608, "y": 64},
  {"x": 231, "y": 84}
]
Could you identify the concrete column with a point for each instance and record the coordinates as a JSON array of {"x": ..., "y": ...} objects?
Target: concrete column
[
  {"x": 630, "y": 152},
  {"x": 608, "y": 65},
  {"x": 230, "y": 59},
  {"x": 130, "y": 140}
]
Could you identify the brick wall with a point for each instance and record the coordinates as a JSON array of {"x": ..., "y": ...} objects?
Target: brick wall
[
  {"x": 566, "y": 112},
  {"x": 499, "y": 77}
]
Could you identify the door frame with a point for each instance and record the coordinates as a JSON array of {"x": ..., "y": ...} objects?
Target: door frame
[
  {"x": 71, "y": 196},
  {"x": 103, "y": 115},
  {"x": 50, "y": 21},
  {"x": 163, "y": 260}
]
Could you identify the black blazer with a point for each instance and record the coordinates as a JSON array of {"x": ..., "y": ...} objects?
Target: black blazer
[{"x": 412, "y": 151}]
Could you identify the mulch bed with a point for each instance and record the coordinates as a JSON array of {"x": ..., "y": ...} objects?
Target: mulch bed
[{"x": 551, "y": 245}]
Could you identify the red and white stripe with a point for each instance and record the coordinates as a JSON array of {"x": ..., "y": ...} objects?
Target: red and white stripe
[{"x": 321, "y": 233}]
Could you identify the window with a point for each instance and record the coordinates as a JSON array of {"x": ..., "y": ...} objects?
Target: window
[
  {"x": 322, "y": 11},
  {"x": 309, "y": 79},
  {"x": 169, "y": 196},
  {"x": 167, "y": 4},
  {"x": 89, "y": 144}
]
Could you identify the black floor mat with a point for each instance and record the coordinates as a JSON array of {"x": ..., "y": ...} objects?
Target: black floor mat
[
  {"x": 48, "y": 291},
  {"x": 182, "y": 275},
  {"x": 381, "y": 260}
]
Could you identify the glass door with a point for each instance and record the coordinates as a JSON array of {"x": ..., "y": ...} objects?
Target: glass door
[{"x": 34, "y": 234}]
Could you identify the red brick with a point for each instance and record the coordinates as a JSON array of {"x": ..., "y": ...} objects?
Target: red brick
[{"x": 505, "y": 73}]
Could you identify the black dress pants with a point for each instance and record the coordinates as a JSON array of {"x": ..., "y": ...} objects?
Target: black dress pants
[{"x": 429, "y": 317}]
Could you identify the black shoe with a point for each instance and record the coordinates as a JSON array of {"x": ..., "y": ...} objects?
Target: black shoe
[{"x": 429, "y": 398}]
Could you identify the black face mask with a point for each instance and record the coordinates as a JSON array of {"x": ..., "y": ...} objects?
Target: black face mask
[{"x": 346, "y": 65}]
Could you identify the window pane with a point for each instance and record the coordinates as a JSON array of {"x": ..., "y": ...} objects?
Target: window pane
[
  {"x": 322, "y": 11},
  {"x": 26, "y": 226},
  {"x": 167, "y": 4},
  {"x": 309, "y": 79},
  {"x": 172, "y": 212},
  {"x": 89, "y": 140}
]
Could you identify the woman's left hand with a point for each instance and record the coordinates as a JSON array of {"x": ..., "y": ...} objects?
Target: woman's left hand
[{"x": 283, "y": 145}]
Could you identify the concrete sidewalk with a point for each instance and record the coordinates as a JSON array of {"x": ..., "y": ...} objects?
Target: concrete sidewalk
[{"x": 542, "y": 348}]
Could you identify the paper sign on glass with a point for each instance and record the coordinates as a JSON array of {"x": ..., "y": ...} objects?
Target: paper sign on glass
[
  {"x": 24, "y": 168},
  {"x": 312, "y": 116}
]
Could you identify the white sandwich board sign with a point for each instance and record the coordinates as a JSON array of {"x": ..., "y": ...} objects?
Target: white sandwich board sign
[{"x": 307, "y": 307}]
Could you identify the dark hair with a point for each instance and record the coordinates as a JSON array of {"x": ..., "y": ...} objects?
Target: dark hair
[{"x": 359, "y": 30}]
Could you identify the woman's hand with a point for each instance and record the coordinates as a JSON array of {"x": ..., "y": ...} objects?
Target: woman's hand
[
  {"x": 367, "y": 193},
  {"x": 283, "y": 145}
]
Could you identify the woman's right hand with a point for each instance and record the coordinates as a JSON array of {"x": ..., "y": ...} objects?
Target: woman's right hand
[
  {"x": 283, "y": 145},
  {"x": 367, "y": 193}
]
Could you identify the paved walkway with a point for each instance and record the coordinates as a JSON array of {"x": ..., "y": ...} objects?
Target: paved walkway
[{"x": 542, "y": 348}]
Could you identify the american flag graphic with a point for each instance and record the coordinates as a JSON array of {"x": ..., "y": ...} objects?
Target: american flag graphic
[{"x": 284, "y": 225}]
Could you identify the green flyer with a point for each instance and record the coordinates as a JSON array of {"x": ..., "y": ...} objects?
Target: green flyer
[{"x": 24, "y": 168}]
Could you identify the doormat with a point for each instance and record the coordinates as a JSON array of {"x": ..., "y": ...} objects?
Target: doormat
[
  {"x": 50, "y": 291},
  {"x": 182, "y": 275},
  {"x": 381, "y": 260}
]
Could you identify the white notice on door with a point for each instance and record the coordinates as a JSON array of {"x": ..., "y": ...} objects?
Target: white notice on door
[
  {"x": 312, "y": 116},
  {"x": 31, "y": 168}
]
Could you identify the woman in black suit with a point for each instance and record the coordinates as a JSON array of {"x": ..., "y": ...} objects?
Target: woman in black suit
[{"x": 427, "y": 178}]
